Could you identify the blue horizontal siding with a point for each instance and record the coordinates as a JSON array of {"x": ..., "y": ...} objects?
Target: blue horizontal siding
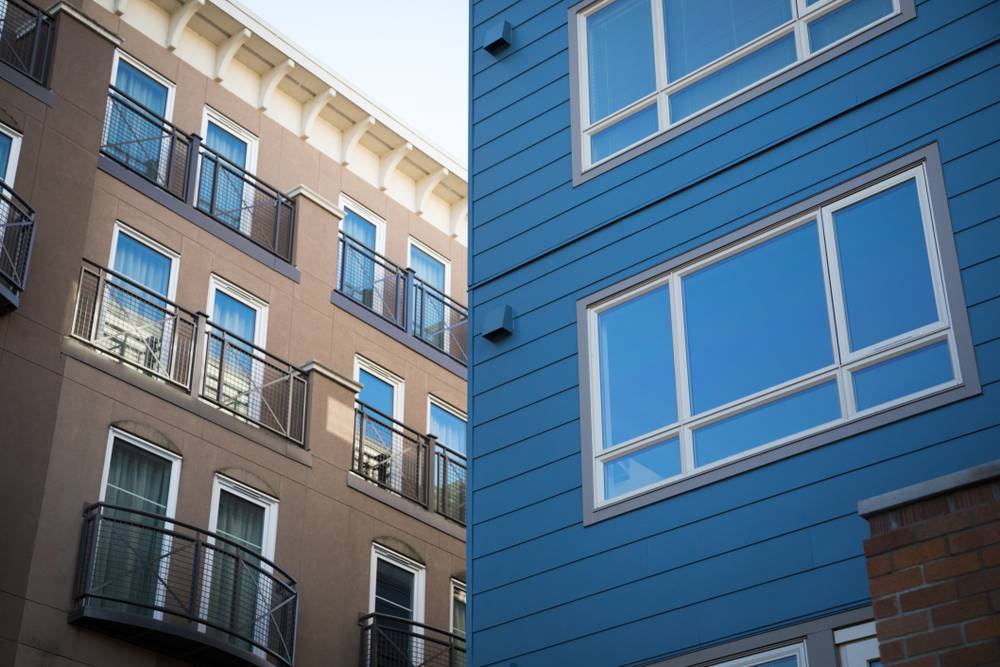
[{"x": 771, "y": 546}]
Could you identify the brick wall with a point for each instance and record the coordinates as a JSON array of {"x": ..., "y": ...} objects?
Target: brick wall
[{"x": 934, "y": 575}]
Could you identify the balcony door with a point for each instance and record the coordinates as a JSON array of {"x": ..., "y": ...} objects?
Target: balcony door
[
  {"x": 429, "y": 310},
  {"x": 382, "y": 453},
  {"x": 235, "y": 370},
  {"x": 142, "y": 477},
  {"x": 397, "y": 590},
  {"x": 225, "y": 190},
  {"x": 363, "y": 277},
  {"x": 135, "y": 133},
  {"x": 10, "y": 252},
  {"x": 447, "y": 424}
]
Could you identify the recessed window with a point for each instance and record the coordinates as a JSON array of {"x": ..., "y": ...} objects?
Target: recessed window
[
  {"x": 816, "y": 322},
  {"x": 646, "y": 66},
  {"x": 397, "y": 588}
]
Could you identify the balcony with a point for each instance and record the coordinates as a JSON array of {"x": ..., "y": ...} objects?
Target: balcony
[
  {"x": 17, "y": 230},
  {"x": 388, "y": 641},
  {"x": 404, "y": 462},
  {"x": 160, "y": 338},
  {"x": 199, "y": 181},
  {"x": 26, "y": 38},
  {"x": 182, "y": 590},
  {"x": 401, "y": 300}
]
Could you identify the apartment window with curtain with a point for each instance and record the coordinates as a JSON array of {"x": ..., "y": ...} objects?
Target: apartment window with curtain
[
  {"x": 134, "y": 133},
  {"x": 644, "y": 67}
]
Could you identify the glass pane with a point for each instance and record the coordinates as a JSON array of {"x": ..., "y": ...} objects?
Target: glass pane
[
  {"x": 359, "y": 229},
  {"x": 137, "y": 261},
  {"x": 228, "y": 199},
  {"x": 428, "y": 269},
  {"x": 757, "y": 319},
  {"x": 458, "y": 613},
  {"x": 226, "y": 144},
  {"x": 884, "y": 266},
  {"x": 241, "y": 521},
  {"x": 732, "y": 78},
  {"x": 623, "y": 133},
  {"x": 638, "y": 394},
  {"x": 789, "y": 661},
  {"x": 620, "y": 64},
  {"x": 767, "y": 423},
  {"x": 234, "y": 316},
  {"x": 903, "y": 375},
  {"x": 138, "y": 479},
  {"x": 142, "y": 88},
  {"x": 5, "y": 144},
  {"x": 841, "y": 22},
  {"x": 700, "y": 31},
  {"x": 375, "y": 392},
  {"x": 449, "y": 429},
  {"x": 393, "y": 590},
  {"x": 138, "y": 138},
  {"x": 638, "y": 469}
]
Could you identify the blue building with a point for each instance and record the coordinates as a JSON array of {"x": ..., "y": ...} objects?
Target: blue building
[{"x": 734, "y": 269}]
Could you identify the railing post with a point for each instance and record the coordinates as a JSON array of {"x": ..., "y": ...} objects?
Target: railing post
[
  {"x": 35, "y": 45},
  {"x": 195, "y": 578},
  {"x": 191, "y": 170},
  {"x": 233, "y": 605},
  {"x": 409, "y": 287},
  {"x": 98, "y": 305},
  {"x": 429, "y": 461},
  {"x": 277, "y": 223},
  {"x": 200, "y": 355}
]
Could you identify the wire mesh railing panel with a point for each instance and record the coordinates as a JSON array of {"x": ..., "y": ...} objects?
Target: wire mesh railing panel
[
  {"x": 135, "y": 325},
  {"x": 371, "y": 280},
  {"x": 388, "y": 641},
  {"x": 150, "y": 566},
  {"x": 26, "y": 38},
  {"x": 251, "y": 383},
  {"x": 440, "y": 321},
  {"x": 254, "y": 209},
  {"x": 450, "y": 484},
  {"x": 139, "y": 139},
  {"x": 17, "y": 227},
  {"x": 389, "y": 454}
]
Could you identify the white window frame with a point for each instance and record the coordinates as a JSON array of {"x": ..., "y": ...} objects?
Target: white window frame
[
  {"x": 857, "y": 645},
  {"x": 797, "y": 25},
  {"x": 387, "y": 376},
  {"x": 252, "y": 141},
  {"x": 217, "y": 283},
  {"x": 172, "y": 491},
  {"x": 797, "y": 650},
  {"x": 844, "y": 363},
  {"x": 433, "y": 400},
  {"x": 151, "y": 73},
  {"x": 414, "y": 243},
  {"x": 368, "y": 215},
  {"x": 174, "y": 257},
  {"x": 408, "y": 564},
  {"x": 15, "y": 154},
  {"x": 456, "y": 587}
]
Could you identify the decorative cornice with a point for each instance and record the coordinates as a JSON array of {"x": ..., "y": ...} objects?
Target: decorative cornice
[{"x": 318, "y": 199}]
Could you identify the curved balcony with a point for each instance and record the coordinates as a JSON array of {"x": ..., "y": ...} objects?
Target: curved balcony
[
  {"x": 17, "y": 230},
  {"x": 181, "y": 590},
  {"x": 390, "y": 641}
]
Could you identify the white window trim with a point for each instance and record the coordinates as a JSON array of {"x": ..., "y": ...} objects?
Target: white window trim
[
  {"x": 456, "y": 586},
  {"x": 174, "y": 257},
  {"x": 368, "y": 215},
  {"x": 398, "y": 384},
  {"x": 151, "y": 73},
  {"x": 798, "y": 25},
  {"x": 15, "y": 154},
  {"x": 857, "y": 645},
  {"x": 797, "y": 650},
  {"x": 414, "y": 243},
  {"x": 234, "y": 128},
  {"x": 219, "y": 284},
  {"x": 840, "y": 370},
  {"x": 432, "y": 401},
  {"x": 419, "y": 580}
]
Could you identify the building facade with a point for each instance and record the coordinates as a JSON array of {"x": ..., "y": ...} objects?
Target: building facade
[
  {"x": 232, "y": 354},
  {"x": 734, "y": 276}
]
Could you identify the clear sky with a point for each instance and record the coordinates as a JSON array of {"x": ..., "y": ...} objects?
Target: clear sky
[{"x": 408, "y": 56}]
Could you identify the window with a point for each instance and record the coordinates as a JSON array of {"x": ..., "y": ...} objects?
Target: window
[
  {"x": 10, "y": 150},
  {"x": 646, "y": 66},
  {"x": 144, "y": 261},
  {"x": 134, "y": 133},
  {"x": 448, "y": 425},
  {"x": 383, "y": 454},
  {"x": 224, "y": 189},
  {"x": 857, "y": 646},
  {"x": 831, "y": 317},
  {"x": 364, "y": 275},
  {"x": 458, "y": 608},
  {"x": 397, "y": 586},
  {"x": 787, "y": 656},
  {"x": 430, "y": 310}
]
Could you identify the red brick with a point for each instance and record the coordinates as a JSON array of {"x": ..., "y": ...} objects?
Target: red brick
[
  {"x": 879, "y": 565},
  {"x": 929, "y": 661},
  {"x": 991, "y": 556},
  {"x": 983, "y": 629},
  {"x": 901, "y": 625},
  {"x": 921, "y": 511},
  {"x": 933, "y": 641},
  {"x": 972, "y": 496},
  {"x": 995, "y": 600},
  {"x": 880, "y": 524},
  {"x": 963, "y": 610},
  {"x": 975, "y": 538},
  {"x": 889, "y": 541},
  {"x": 942, "y": 525},
  {"x": 972, "y": 656},
  {"x": 919, "y": 553},
  {"x": 987, "y": 513},
  {"x": 928, "y": 596},
  {"x": 895, "y": 582},
  {"x": 949, "y": 568},
  {"x": 885, "y": 607},
  {"x": 891, "y": 651},
  {"x": 977, "y": 582}
]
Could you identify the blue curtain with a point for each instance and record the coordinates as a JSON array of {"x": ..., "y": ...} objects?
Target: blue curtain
[
  {"x": 139, "y": 262},
  {"x": 5, "y": 144},
  {"x": 234, "y": 316},
  {"x": 357, "y": 267},
  {"x": 134, "y": 138},
  {"x": 378, "y": 394},
  {"x": 449, "y": 429},
  {"x": 428, "y": 269},
  {"x": 429, "y": 308},
  {"x": 228, "y": 201},
  {"x": 143, "y": 89},
  {"x": 359, "y": 229}
]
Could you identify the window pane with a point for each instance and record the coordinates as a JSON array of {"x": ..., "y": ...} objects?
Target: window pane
[
  {"x": 359, "y": 229},
  {"x": 790, "y": 661},
  {"x": 5, "y": 144},
  {"x": 642, "y": 468},
  {"x": 393, "y": 590},
  {"x": 841, "y": 22},
  {"x": 139, "y": 262},
  {"x": 376, "y": 393},
  {"x": 903, "y": 375},
  {"x": 756, "y": 319},
  {"x": 137, "y": 479},
  {"x": 638, "y": 394},
  {"x": 142, "y": 88},
  {"x": 619, "y": 56},
  {"x": 241, "y": 521},
  {"x": 428, "y": 269},
  {"x": 700, "y": 31},
  {"x": 732, "y": 78},
  {"x": 623, "y": 133},
  {"x": 234, "y": 316},
  {"x": 449, "y": 429},
  {"x": 884, "y": 266},
  {"x": 767, "y": 423}
]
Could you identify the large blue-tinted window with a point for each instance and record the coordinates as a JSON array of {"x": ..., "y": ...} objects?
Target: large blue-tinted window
[
  {"x": 638, "y": 393},
  {"x": 620, "y": 65},
  {"x": 700, "y": 31},
  {"x": 844, "y": 20},
  {"x": 757, "y": 319},
  {"x": 885, "y": 272}
]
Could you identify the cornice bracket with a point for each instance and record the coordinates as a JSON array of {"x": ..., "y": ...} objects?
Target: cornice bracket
[
  {"x": 390, "y": 161},
  {"x": 458, "y": 211},
  {"x": 352, "y": 136},
  {"x": 269, "y": 82},
  {"x": 226, "y": 51},
  {"x": 179, "y": 20},
  {"x": 424, "y": 187},
  {"x": 312, "y": 109}
]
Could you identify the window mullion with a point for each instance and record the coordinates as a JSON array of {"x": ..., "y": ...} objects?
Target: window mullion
[
  {"x": 681, "y": 372},
  {"x": 661, "y": 64}
]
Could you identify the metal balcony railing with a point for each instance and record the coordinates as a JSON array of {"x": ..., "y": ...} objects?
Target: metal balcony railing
[
  {"x": 399, "y": 297},
  {"x": 253, "y": 384},
  {"x": 26, "y": 38},
  {"x": 390, "y": 641},
  {"x": 17, "y": 230},
  {"x": 163, "y": 576},
  {"x": 148, "y": 145},
  {"x": 139, "y": 327},
  {"x": 405, "y": 462}
]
